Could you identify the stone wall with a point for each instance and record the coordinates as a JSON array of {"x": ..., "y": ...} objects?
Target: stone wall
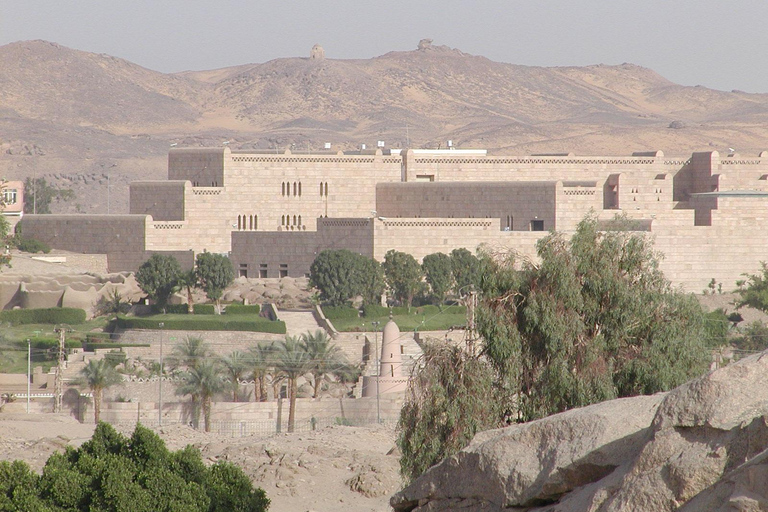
[
  {"x": 514, "y": 204},
  {"x": 163, "y": 200}
]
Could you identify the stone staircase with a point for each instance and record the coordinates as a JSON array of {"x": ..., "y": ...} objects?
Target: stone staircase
[{"x": 298, "y": 322}]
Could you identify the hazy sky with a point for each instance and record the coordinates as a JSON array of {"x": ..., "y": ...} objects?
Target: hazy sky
[{"x": 716, "y": 43}]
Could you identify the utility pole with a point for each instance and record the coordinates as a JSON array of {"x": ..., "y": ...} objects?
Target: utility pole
[
  {"x": 471, "y": 333},
  {"x": 29, "y": 369},
  {"x": 378, "y": 371},
  {"x": 59, "y": 381},
  {"x": 160, "y": 379}
]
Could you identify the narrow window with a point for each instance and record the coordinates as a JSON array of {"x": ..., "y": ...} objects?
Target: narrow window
[
  {"x": 294, "y": 188},
  {"x": 238, "y": 223},
  {"x": 283, "y": 188},
  {"x": 282, "y": 220},
  {"x": 255, "y": 222},
  {"x": 299, "y": 189},
  {"x": 321, "y": 189},
  {"x": 299, "y": 220},
  {"x": 294, "y": 220},
  {"x": 250, "y": 222},
  {"x": 326, "y": 189}
]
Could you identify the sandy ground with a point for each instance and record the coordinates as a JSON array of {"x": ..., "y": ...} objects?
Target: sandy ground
[{"x": 337, "y": 469}]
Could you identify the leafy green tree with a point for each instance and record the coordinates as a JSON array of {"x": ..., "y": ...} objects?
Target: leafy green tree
[
  {"x": 188, "y": 281},
  {"x": 38, "y": 195},
  {"x": 594, "y": 320},
  {"x": 292, "y": 360},
  {"x": 466, "y": 268},
  {"x": 203, "y": 381},
  {"x": 753, "y": 291},
  {"x": 112, "y": 472},
  {"x": 158, "y": 277},
  {"x": 438, "y": 272},
  {"x": 341, "y": 275},
  {"x": 235, "y": 366},
  {"x": 99, "y": 375},
  {"x": 325, "y": 358},
  {"x": 214, "y": 274},
  {"x": 753, "y": 338},
  {"x": 403, "y": 275},
  {"x": 451, "y": 396}
]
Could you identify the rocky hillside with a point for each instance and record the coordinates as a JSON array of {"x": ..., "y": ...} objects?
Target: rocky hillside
[
  {"x": 83, "y": 119},
  {"x": 702, "y": 447}
]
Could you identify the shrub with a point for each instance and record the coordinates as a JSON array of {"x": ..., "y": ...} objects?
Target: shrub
[
  {"x": 115, "y": 357},
  {"x": 205, "y": 309},
  {"x": 375, "y": 311},
  {"x": 216, "y": 323},
  {"x": 340, "y": 312},
  {"x": 32, "y": 245},
  {"x": 70, "y": 316},
  {"x": 90, "y": 347},
  {"x": 112, "y": 472},
  {"x": 241, "y": 309},
  {"x": 171, "y": 309}
]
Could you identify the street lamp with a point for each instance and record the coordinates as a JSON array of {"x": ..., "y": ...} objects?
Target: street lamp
[{"x": 29, "y": 367}]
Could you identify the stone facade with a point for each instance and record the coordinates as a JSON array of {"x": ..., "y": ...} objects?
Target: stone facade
[{"x": 274, "y": 212}]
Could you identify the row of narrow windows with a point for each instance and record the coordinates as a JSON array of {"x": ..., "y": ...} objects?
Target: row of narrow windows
[
  {"x": 197, "y": 184},
  {"x": 286, "y": 187},
  {"x": 286, "y": 220},
  {"x": 247, "y": 222},
  {"x": 637, "y": 190}
]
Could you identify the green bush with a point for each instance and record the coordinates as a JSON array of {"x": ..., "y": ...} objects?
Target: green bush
[
  {"x": 241, "y": 309},
  {"x": 90, "y": 347},
  {"x": 70, "y": 316},
  {"x": 49, "y": 343},
  {"x": 340, "y": 312},
  {"x": 171, "y": 309},
  {"x": 375, "y": 311},
  {"x": 215, "y": 323},
  {"x": 112, "y": 472},
  {"x": 115, "y": 357},
  {"x": 32, "y": 245},
  {"x": 205, "y": 309}
]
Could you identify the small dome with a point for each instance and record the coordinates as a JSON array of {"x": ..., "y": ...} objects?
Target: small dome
[{"x": 391, "y": 332}]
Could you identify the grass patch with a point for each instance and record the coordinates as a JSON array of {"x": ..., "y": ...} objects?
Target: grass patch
[{"x": 419, "y": 320}]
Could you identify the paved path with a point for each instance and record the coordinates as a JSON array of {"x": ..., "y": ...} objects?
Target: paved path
[{"x": 298, "y": 322}]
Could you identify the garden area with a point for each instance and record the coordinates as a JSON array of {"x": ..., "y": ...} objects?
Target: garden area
[{"x": 372, "y": 318}]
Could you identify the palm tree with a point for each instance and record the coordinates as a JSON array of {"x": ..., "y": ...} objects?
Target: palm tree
[
  {"x": 203, "y": 381},
  {"x": 260, "y": 360},
  {"x": 324, "y": 358},
  {"x": 189, "y": 354},
  {"x": 98, "y": 375},
  {"x": 291, "y": 360},
  {"x": 235, "y": 365}
]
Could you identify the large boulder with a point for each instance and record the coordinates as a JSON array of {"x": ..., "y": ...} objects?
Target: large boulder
[
  {"x": 537, "y": 462},
  {"x": 611, "y": 457}
]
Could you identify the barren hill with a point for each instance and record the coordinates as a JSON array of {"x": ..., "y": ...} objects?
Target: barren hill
[{"x": 82, "y": 120}]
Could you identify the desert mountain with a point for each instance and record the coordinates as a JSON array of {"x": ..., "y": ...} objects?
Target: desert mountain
[{"x": 82, "y": 120}]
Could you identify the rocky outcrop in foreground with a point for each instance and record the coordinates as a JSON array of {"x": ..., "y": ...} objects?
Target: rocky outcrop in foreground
[{"x": 701, "y": 447}]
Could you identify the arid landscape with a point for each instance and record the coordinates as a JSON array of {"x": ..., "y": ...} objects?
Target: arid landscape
[{"x": 93, "y": 123}]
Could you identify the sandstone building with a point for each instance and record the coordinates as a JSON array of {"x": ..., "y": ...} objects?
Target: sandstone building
[{"x": 274, "y": 212}]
